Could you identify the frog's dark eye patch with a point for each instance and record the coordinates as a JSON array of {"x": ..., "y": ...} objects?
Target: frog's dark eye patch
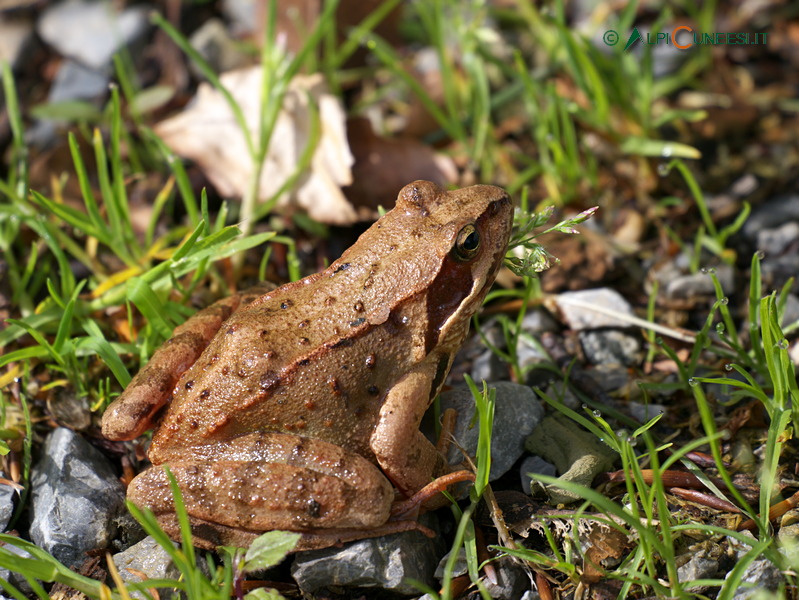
[{"x": 467, "y": 243}]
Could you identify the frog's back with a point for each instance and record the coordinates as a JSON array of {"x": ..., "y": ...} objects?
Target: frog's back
[{"x": 315, "y": 357}]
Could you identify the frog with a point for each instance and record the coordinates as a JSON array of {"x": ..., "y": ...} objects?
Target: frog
[{"x": 299, "y": 408}]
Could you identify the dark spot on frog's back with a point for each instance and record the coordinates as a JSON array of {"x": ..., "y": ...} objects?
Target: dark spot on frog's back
[
  {"x": 314, "y": 509},
  {"x": 341, "y": 267},
  {"x": 334, "y": 385},
  {"x": 358, "y": 321},
  {"x": 205, "y": 394},
  {"x": 270, "y": 381},
  {"x": 343, "y": 343}
]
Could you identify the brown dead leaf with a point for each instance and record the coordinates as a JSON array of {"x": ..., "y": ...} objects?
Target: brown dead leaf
[
  {"x": 383, "y": 165},
  {"x": 207, "y": 133},
  {"x": 606, "y": 546}
]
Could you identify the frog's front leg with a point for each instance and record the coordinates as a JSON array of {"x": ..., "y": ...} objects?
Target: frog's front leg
[
  {"x": 257, "y": 482},
  {"x": 407, "y": 457},
  {"x": 132, "y": 413}
]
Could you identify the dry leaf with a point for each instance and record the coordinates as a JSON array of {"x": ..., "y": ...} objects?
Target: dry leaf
[
  {"x": 207, "y": 133},
  {"x": 383, "y": 165}
]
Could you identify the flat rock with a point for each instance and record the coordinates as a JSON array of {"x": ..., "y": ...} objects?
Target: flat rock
[
  {"x": 148, "y": 558},
  {"x": 611, "y": 347},
  {"x": 699, "y": 284},
  {"x": 75, "y": 498},
  {"x": 90, "y": 32},
  {"x": 386, "y": 563},
  {"x": 772, "y": 213},
  {"x": 7, "y": 497},
  {"x": 517, "y": 413},
  {"x": 777, "y": 240},
  {"x": 593, "y": 309},
  {"x": 535, "y": 465}
]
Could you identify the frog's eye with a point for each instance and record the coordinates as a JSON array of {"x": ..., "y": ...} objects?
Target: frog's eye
[{"x": 467, "y": 243}]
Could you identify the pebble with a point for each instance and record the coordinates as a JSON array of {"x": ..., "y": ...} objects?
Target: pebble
[
  {"x": 611, "y": 347},
  {"x": 692, "y": 285},
  {"x": 761, "y": 574},
  {"x": 773, "y": 213},
  {"x": 7, "y": 496},
  {"x": 386, "y": 563},
  {"x": 535, "y": 465},
  {"x": 778, "y": 240},
  {"x": 577, "y": 311},
  {"x": 75, "y": 498},
  {"x": 703, "y": 564},
  {"x": 90, "y": 32},
  {"x": 15, "y": 578},
  {"x": 517, "y": 413},
  {"x": 214, "y": 43},
  {"x": 151, "y": 560}
]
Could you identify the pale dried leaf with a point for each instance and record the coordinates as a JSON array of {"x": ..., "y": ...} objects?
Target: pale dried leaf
[{"x": 207, "y": 133}]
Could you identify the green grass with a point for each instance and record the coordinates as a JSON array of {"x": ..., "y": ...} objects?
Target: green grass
[{"x": 566, "y": 93}]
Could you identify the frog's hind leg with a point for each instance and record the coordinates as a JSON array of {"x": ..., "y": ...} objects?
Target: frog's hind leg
[
  {"x": 131, "y": 414},
  {"x": 209, "y": 535},
  {"x": 263, "y": 481}
]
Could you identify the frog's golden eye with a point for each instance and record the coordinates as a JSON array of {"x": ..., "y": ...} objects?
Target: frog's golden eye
[{"x": 467, "y": 243}]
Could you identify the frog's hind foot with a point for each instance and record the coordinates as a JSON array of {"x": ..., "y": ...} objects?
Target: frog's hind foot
[{"x": 429, "y": 497}]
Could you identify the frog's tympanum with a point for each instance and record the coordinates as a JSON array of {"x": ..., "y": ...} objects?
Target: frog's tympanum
[{"x": 299, "y": 408}]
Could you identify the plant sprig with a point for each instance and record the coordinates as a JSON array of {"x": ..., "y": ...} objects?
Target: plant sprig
[{"x": 525, "y": 257}]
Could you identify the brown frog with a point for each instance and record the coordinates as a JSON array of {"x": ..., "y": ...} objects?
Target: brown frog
[{"x": 299, "y": 408}]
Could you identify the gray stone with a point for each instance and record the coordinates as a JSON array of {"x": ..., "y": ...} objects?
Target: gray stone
[
  {"x": 536, "y": 322},
  {"x": 73, "y": 81},
  {"x": 530, "y": 354},
  {"x": 760, "y": 574},
  {"x": 593, "y": 309},
  {"x": 536, "y": 465},
  {"x": 610, "y": 377},
  {"x": 488, "y": 367},
  {"x": 90, "y": 32},
  {"x": 386, "y": 563},
  {"x": 517, "y": 413},
  {"x": 699, "y": 284},
  {"x": 771, "y": 214},
  {"x": 13, "y": 577},
  {"x": 459, "y": 568},
  {"x": 776, "y": 241},
  {"x": 702, "y": 565},
  {"x": 611, "y": 346},
  {"x": 645, "y": 412},
  {"x": 75, "y": 498},
  {"x": 791, "y": 313},
  {"x": 146, "y": 557},
  {"x": 213, "y": 42},
  {"x": 511, "y": 582},
  {"x": 7, "y": 496},
  {"x": 242, "y": 15}
]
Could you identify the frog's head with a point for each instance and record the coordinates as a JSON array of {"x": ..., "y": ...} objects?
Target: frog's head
[{"x": 471, "y": 230}]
